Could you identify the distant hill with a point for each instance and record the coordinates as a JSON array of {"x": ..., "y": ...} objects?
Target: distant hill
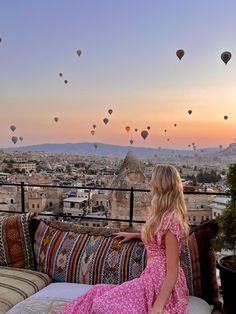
[{"x": 105, "y": 150}]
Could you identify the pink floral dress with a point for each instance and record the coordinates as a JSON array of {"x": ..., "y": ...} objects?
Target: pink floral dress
[{"x": 138, "y": 295}]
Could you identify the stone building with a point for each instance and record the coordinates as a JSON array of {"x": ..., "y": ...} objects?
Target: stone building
[{"x": 130, "y": 174}]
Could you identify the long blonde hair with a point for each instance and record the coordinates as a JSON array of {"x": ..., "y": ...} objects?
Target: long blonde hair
[{"x": 167, "y": 199}]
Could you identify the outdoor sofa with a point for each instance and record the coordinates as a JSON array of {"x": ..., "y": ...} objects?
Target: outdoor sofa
[{"x": 44, "y": 265}]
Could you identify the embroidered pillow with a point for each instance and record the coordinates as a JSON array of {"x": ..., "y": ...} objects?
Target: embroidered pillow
[
  {"x": 15, "y": 245},
  {"x": 85, "y": 258}
]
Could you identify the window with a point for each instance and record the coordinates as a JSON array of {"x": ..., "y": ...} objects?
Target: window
[
  {"x": 194, "y": 218},
  {"x": 214, "y": 214},
  {"x": 94, "y": 225},
  {"x": 32, "y": 205},
  {"x": 38, "y": 206}
]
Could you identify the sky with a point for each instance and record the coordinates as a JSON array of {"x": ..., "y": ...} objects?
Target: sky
[{"x": 128, "y": 64}]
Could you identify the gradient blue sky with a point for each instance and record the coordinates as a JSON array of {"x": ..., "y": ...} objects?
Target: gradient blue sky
[{"x": 128, "y": 63}]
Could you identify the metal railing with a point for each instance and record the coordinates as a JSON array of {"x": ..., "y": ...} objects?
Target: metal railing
[{"x": 131, "y": 190}]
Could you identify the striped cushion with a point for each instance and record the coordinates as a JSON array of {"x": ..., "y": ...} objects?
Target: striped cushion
[
  {"x": 15, "y": 244},
  {"x": 91, "y": 255},
  {"x": 18, "y": 284},
  {"x": 83, "y": 258}
]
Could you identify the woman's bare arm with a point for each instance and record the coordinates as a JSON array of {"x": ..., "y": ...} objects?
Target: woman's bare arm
[{"x": 172, "y": 263}]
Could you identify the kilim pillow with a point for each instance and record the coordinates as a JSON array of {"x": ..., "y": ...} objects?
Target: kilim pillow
[
  {"x": 15, "y": 245},
  {"x": 67, "y": 256},
  {"x": 91, "y": 256}
]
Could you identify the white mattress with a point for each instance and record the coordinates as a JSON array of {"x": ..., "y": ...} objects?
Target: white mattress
[{"x": 54, "y": 297}]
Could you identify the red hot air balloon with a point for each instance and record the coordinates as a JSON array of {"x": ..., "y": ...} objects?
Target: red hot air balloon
[
  {"x": 144, "y": 134},
  {"x": 226, "y": 56},
  {"x": 105, "y": 120},
  {"x": 127, "y": 128},
  {"x": 180, "y": 53}
]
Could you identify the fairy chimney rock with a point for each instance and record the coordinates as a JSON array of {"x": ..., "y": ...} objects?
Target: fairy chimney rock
[{"x": 130, "y": 174}]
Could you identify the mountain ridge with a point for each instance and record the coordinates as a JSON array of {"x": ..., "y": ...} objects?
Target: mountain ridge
[{"x": 101, "y": 149}]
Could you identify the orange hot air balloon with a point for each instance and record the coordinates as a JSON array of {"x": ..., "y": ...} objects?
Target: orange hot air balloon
[
  {"x": 180, "y": 53},
  {"x": 127, "y": 128}
]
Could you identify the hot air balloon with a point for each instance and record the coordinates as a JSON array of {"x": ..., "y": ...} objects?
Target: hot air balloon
[
  {"x": 79, "y": 52},
  {"x": 95, "y": 145},
  {"x": 105, "y": 120},
  {"x": 60, "y": 74},
  {"x": 226, "y": 56},
  {"x": 190, "y": 111},
  {"x": 0, "y": 40},
  {"x": 94, "y": 126},
  {"x": 131, "y": 142},
  {"x": 189, "y": 145},
  {"x": 12, "y": 127},
  {"x": 165, "y": 130},
  {"x": 110, "y": 111},
  {"x": 168, "y": 140},
  {"x": 226, "y": 117},
  {"x": 136, "y": 130},
  {"x": 21, "y": 138},
  {"x": 14, "y": 139},
  {"x": 148, "y": 128},
  {"x": 92, "y": 132},
  {"x": 193, "y": 143},
  {"x": 144, "y": 134},
  {"x": 127, "y": 128},
  {"x": 175, "y": 124},
  {"x": 180, "y": 53},
  {"x": 220, "y": 146},
  {"x": 56, "y": 119},
  {"x": 65, "y": 81}
]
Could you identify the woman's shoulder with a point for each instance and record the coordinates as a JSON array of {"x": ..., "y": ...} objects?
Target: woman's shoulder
[{"x": 173, "y": 223}]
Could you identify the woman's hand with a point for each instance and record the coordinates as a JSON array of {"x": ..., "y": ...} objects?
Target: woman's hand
[
  {"x": 156, "y": 309},
  {"x": 127, "y": 236}
]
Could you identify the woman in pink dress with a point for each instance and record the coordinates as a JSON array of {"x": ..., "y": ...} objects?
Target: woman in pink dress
[{"x": 161, "y": 288}]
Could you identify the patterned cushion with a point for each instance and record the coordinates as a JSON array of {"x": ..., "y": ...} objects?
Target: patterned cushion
[
  {"x": 91, "y": 255},
  {"x": 15, "y": 245},
  {"x": 85, "y": 258},
  {"x": 17, "y": 284}
]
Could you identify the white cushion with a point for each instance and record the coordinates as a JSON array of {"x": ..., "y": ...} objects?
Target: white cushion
[
  {"x": 197, "y": 306},
  {"x": 56, "y": 295}
]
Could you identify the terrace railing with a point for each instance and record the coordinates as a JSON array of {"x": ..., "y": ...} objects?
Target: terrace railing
[{"x": 131, "y": 190}]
